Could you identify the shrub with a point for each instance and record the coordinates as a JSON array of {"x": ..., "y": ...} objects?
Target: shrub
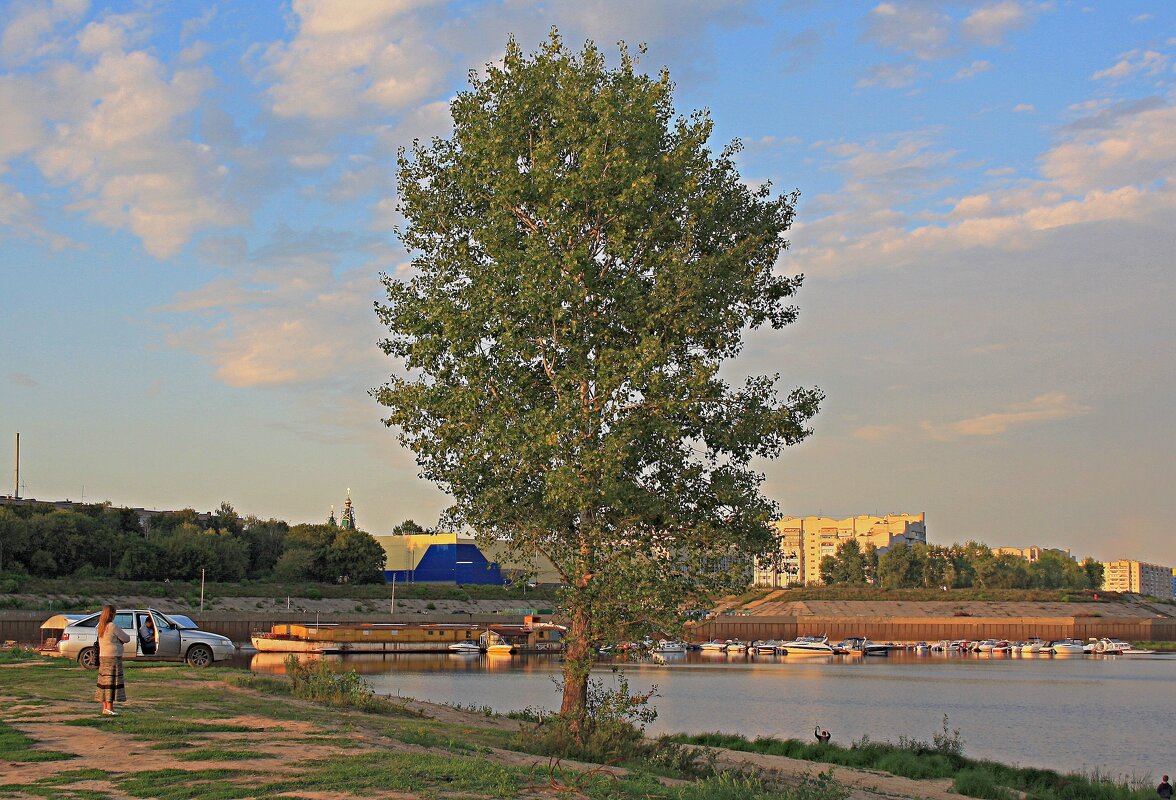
[
  {"x": 318, "y": 680},
  {"x": 612, "y": 732}
]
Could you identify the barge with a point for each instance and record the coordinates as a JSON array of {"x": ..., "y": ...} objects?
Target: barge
[{"x": 533, "y": 636}]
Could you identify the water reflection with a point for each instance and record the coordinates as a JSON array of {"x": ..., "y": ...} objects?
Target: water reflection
[{"x": 1110, "y": 714}]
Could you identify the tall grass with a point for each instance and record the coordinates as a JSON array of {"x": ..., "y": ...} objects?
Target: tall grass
[{"x": 943, "y": 757}]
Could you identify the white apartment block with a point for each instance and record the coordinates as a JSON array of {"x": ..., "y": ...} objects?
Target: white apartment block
[
  {"x": 1137, "y": 577},
  {"x": 1032, "y": 553},
  {"x": 804, "y": 541}
]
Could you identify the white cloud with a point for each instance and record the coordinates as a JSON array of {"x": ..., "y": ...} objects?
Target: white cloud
[
  {"x": 118, "y": 139},
  {"x": 28, "y": 34},
  {"x": 1123, "y": 169},
  {"x": 1135, "y": 149},
  {"x": 1043, "y": 408},
  {"x": 352, "y": 59},
  {"x": 1024, "y": 108},
  {"x": 287, "y": 315},
  {"x": 114, "y": 32},
  {"x": 20, "y": 216},
  {"x": 1135, "y": 62},
  {"x": 972, "y": 70},
  {"x": 890, "y": 76},
  {"x": 918, "y": 30},
  {"x": 989, "y": 24}
]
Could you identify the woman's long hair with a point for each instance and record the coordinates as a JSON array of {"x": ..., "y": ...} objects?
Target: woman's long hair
[{"x": 104, "y": 618}]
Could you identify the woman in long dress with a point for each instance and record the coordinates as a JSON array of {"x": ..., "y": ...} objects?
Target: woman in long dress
[{"x": 111, "y": 639}]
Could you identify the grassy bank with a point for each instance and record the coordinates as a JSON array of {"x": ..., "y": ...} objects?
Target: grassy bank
[
  {"x": 218, "y": 734},
  {"x": 942, "y": 757},
  {"x": 83, "y": 593}
]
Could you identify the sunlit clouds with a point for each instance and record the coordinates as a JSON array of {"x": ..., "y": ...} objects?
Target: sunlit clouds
[{"x": 197, "y": 201}]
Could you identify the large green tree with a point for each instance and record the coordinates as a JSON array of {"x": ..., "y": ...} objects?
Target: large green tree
[{"x": 584, "y": 264}]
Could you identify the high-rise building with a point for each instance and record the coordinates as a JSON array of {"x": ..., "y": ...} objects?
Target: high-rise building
[
  {"x": 804, "y": 541},
  {"x": 1032, "y": 553},
  {"x": 1137, "y": 577}
]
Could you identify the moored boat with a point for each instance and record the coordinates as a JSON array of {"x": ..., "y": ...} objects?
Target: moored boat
[
  {"x": 1105, "y": 647},
  {"x": 469, "y": 648},
  {"x": 808, "y": 646},
  {"x": 713, "y": 646},
  {"x": 1067, "y": 647}
]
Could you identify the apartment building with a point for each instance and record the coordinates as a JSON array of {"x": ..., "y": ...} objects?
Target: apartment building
[
  {"x": 804, "y": 541},
  {"x": 1032, "y": 553},
  {"x": 1138, "y": 577}
]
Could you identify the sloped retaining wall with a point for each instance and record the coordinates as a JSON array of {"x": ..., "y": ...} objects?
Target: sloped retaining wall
[{"x": 932, "y": 629}]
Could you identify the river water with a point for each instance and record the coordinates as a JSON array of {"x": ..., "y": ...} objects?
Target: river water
[{"x": 1081, "y": 714}]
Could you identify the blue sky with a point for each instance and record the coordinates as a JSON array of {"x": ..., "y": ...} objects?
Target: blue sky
[{"x": 196, "y": 201}]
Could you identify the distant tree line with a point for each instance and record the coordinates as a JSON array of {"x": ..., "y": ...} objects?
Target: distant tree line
[
  {"x": 958, "y": 566},
  {"x": 100, "y": 540}
]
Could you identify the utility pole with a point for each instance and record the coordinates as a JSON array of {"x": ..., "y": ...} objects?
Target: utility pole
[{"x": 16, "y": 488}]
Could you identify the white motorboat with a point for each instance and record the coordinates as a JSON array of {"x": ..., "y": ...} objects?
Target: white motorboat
[
  {"x": 472, "y": 648},
  {"x": 1031, "y": 647},
  {"x": 736, "y": 646},
  {"x": 713, "y": 646},
  {"x": 1067, "y": 647},
  {"x": 769, "y": 648},
  {"x": 1127, "y": 649},
  {"x": 1106, "y": 647},
  {"x": 670, "y": 646},
  {"x": 808, "y": 646}
]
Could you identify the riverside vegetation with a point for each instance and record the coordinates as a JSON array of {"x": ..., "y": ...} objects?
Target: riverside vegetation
[{"x": 216, "y": 733}]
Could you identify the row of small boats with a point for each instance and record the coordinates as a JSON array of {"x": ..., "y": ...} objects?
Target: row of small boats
[
  {"x": 821, "y": 646},
  {"x": 800, "y": 646},
  {"x": 1035, "y": 646}
]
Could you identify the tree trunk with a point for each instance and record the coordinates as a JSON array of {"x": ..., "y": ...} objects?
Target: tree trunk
[{"x": 578, "y": 658}]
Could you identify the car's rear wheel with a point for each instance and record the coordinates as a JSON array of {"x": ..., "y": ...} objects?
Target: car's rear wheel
[
  {"x": 88, "y": 658},
  {"x": 199, "y": 656}
]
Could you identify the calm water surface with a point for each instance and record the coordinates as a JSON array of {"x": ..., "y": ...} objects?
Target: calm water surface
[{"x": 1074, "y": 714}]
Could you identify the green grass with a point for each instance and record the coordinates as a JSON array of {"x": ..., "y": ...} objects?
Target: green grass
[
  {"x": 178, "y": 784},
  {"x": 74, "y": 592},
  {"x": 921, "y": 761},
  {"x": 220, "y": 754},
  {"x": 153, "y": 725},
  {"x": 390, "y": 770},
  {"x": 15, "y": 746},
  {"x": 428, "y": 736}
]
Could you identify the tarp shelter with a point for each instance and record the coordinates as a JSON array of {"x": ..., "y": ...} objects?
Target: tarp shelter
[{"x": 51, "y": 629}]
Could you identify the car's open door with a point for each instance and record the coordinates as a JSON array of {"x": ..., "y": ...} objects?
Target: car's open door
[{"x": 167, "y": 637}]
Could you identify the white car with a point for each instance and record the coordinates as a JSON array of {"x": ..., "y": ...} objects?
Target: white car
[{"x": 177, "y": 639}]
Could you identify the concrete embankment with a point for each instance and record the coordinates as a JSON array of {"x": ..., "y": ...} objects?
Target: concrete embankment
[{"x": 914, "y": 621}]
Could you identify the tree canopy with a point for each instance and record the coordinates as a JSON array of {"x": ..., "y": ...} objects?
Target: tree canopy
[
  {"x": 583, "y": 264},
  {"x": 956, "y": 566}
]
